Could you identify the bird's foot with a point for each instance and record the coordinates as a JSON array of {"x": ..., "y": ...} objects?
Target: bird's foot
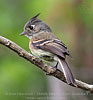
[{"x": 52, "y": 70}]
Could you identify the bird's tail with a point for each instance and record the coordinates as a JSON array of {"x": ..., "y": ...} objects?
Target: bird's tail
[{"x": 67, "y": 72}]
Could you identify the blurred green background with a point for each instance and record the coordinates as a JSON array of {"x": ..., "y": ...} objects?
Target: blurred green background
[{"x": 70, "y": 20}]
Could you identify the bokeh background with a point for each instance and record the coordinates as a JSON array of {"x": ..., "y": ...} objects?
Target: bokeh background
[{"x": 72, "y": 22}]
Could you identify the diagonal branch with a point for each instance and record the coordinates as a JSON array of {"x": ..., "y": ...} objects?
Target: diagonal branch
[{"x": 58, "y": 74}]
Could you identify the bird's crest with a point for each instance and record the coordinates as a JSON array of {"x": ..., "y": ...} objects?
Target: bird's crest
[{"x": 34, "y": 18}]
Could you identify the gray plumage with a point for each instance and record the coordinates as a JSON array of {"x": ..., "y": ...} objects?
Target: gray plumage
[{"x": 44, "y": 43}]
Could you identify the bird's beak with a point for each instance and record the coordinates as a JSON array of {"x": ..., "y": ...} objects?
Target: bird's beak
[{"x": 23, "y": 33}]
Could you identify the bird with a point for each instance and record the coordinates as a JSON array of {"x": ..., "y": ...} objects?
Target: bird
[{"x": 45, "y": 45}]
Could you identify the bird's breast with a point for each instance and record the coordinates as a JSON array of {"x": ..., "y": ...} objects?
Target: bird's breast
[{"x": 38, "y": 52}]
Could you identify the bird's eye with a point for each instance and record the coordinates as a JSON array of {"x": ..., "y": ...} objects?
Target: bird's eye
[{"x": 32, "y": 27}]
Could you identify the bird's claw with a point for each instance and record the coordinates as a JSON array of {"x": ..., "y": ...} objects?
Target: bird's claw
[{"x": 51, "y": 70}]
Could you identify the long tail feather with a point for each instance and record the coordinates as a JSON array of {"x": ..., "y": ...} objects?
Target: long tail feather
[{"x": 67, "y": 72}]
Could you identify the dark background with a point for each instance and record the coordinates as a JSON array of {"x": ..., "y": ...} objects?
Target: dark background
[{"x": 72, "y": 22}]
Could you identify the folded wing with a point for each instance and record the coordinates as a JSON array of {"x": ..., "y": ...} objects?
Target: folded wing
[{"x": 60, "y": 50}]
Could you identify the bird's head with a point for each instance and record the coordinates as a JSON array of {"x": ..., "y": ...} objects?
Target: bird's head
[{"x": 35, "y": 26}]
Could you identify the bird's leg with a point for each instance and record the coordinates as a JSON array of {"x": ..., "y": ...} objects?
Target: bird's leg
[
  {"x": 52, "y": 68},
  {"x": 40, "y": 57},
  {"x": 56, "y": 65},
  {"x": 48, "y": 58}
]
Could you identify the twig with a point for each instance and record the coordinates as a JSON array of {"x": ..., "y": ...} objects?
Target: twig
[{"x": 58, "y": 74}]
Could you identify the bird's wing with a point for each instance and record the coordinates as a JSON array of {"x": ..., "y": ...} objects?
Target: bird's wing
[{"x": 54, "y": 46}]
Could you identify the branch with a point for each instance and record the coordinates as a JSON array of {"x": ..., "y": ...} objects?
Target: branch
[{"x": 58, "y": 74}]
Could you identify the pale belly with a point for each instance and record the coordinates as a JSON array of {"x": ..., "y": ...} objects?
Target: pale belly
[{"x": 38, "y": 53}]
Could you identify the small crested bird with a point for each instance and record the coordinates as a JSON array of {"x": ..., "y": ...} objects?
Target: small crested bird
[{"x": 46, "y": 46}]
